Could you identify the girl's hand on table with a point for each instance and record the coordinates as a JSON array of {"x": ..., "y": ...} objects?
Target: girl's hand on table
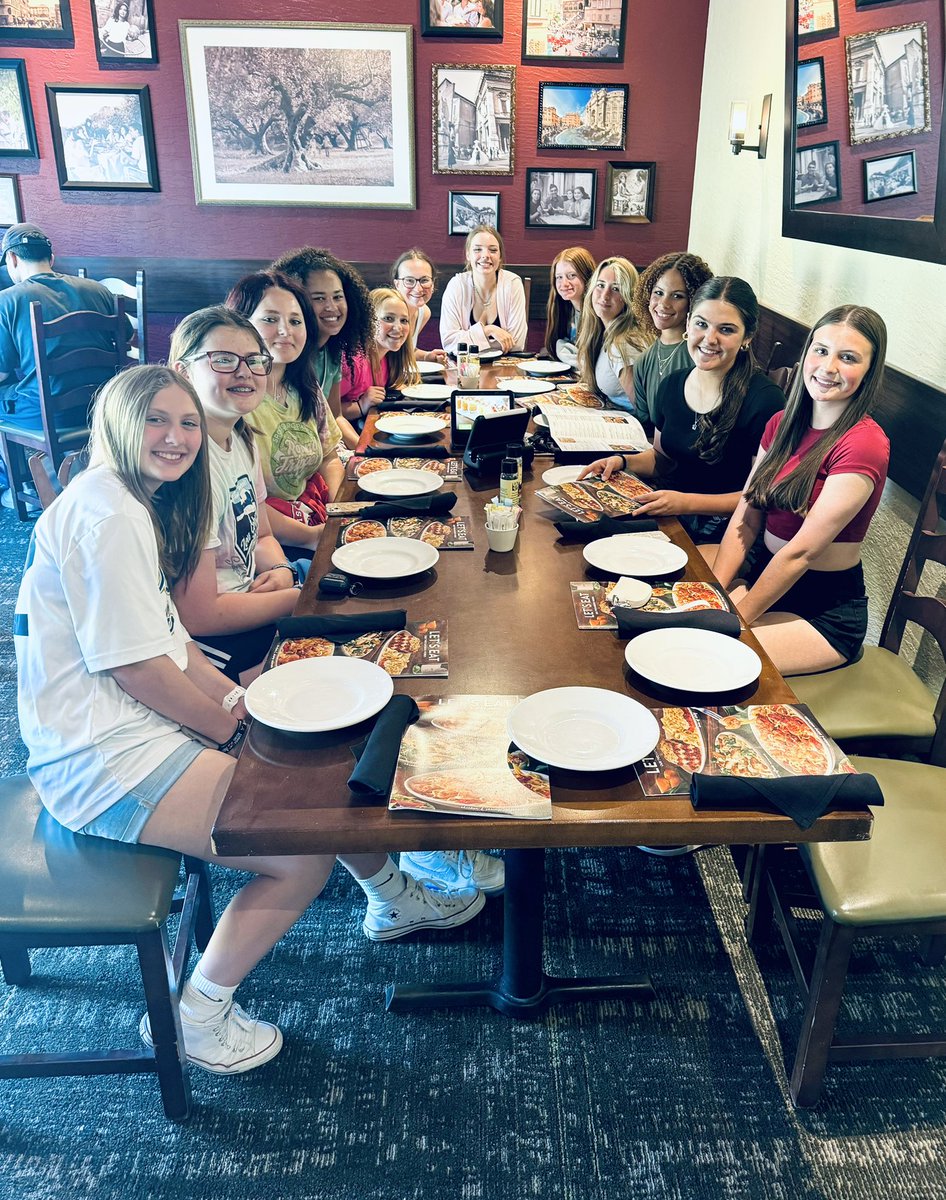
[
  {"x": 605, "y": 467},
  {"x": 664, "y": 503},
  {"x": 497, "y": 334},
  {"x": 438, "y": 356},
  {"x": 370, "y": 397},
  {"x": 274, "y": 580}
]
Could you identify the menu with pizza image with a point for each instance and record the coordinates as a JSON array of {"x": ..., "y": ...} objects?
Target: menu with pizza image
[
  {"x": 419, "y": 650},
  {"x": 576, "y": 395},
  {"x": 756, "y": 741},
  {"x": 591, "y": 498},
  {"x": 593, "y": 610},
  {"x": 449, "y": 469},
  {"x": 457, "y": 759},
  {"x": 447, "y": 533}
]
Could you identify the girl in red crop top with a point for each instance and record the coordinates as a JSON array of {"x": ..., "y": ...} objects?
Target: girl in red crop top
[{"x": 815, "y": 485}]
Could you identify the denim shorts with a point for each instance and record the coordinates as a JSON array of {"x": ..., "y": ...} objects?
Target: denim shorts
[{"x": 124, "y": 820}]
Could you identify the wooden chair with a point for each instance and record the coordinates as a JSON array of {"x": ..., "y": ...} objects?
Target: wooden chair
[
  {"x": 893, "y": 885},
  {"x": 527, "y": 288},
  {"x": 59, "y": 888},
  {"x": 48, "y": 487},
  {"x": 68, "y": 374},
  {"x": 877, "y": 702},
  {"x": 135, "y": 297}
]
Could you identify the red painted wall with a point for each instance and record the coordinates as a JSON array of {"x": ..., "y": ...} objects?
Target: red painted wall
[{"x": 663, "y": 65}]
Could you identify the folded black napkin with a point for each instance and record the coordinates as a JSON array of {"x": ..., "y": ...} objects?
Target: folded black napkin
[
  {"x": 804, "y": 798},
  {"x": 377, "y": 755},
  {"x": 340, "y": 629},
  {"x": 403, "y": 405},
  {"x": 585, "y": 531},
  {"x": 632, "y": 621},
  {"x": 431, "y": 505},
  {"x": 408, "y": 450}
]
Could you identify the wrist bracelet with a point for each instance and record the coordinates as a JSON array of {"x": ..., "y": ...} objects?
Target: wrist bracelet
[
  {"x": 235, "y": 738},
  {"x": 289, "y": 567},
  {"x": 231, "y": 699},
  {"x": 623, "y": 458}
]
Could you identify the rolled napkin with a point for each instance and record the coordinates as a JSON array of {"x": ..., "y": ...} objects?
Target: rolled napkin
[
  {"x": 632, "y": 621},
  {"x": 583, "y": 531},
  {"x": 341, "y": 629},
  {"x": 432, "y": 505},
  {"x": 412, "y": 450},
  {"x": 411, "y": 405},
  {"x": 804, "y": 798},
  {"x": 377, "y": 755}
]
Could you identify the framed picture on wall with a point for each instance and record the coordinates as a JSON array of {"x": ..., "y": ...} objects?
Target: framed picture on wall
[
  {"x": 17, "y": 131},
  {"x": 103, "y": 137},
  {"x": 125, "y": 32},
  {"x": 892, "y": 175},
  {"x": 888, "y": 83},
  {"x": 469, "y": 209},
  {"x": 461, "y": 19},
  {"x": 811, "y": 105},
  {"x": 817, "y": 17},
  {"x": 10, "y": 211},
  {"x": 302, "y": 113},
  {"x": 817, "y": 174},
  {"x": 629, "y": 192},
  {"x": 473, "y": 124},
  {"x": 569, "y": 31},
  {"x": 565, "y": 199},
  {"x": 29, "y": 24},
  {"x": 582, "y": 116}
]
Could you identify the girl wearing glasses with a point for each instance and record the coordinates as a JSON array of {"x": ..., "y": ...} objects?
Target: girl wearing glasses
[
  {"x": 415, "y": 277},
  {"x": 571, "y": 270},
  {"x": 485, "y": 304},
  {"x": 242, "y": 584},
  {"x": 609, "y": 339},
  {"x": 389, "y": 363},
  {"x": 296, "y": 434}
]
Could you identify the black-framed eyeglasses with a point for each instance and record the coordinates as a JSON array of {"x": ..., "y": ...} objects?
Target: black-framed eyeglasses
[
  {"x": 225, "y": 362},
  {"x": 410, "y": 282}
]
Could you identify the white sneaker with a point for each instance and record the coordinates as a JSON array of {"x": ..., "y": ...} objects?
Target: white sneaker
[
  {"x": 229, "y": 1043},
  {"x": 456, "y": 868},
  {"x": 421, "y": 906}
]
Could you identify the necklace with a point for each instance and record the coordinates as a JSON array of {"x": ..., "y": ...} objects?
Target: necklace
[
  {"x": 663, "y": 364},
  {"x": 698, "y": 414},
  {"x": 484, "y": 300}
]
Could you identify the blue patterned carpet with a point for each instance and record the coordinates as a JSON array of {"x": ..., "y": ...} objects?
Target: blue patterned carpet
[{"x": 683, "y": 1098}]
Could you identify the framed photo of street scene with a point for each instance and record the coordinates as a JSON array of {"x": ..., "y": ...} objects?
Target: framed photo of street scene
[
  {"x": 811, "y": 105},
  {"x": 303, "y": 113},
  {"x": 629, "y": 192},
  {"x": 469, "y": 209},
  {"x": 565, "y": 199},
  {"x": 582, "y": 116},
  {"x": 562, "y": 31},
  {"x": 30, "y": 24},
  {"x": 461, "y": 19},
  {"x": 17, "y": 130},
  {"x": 892, "y": 175},
  {"x": 103, "y": 137},
  {"x": 888, "y": 83},
  {"x": 473, "y": 119}
]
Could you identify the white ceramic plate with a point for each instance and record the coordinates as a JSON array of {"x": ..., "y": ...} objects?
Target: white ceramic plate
[
  {"x": 314, "y": 694},
  {"x": 583, "y": 728},
  {"x": 430, "y": 368},
  {"x": 629, "y": 554},
  {"x": 556, "y": 475},
  {"x": 400, "y": 481},
  {"x": 489, "y": 355},
  {"x": 529, "y": 387},
  {"x": 541, "y": 420},
  {"x": 411, "y": 424},
  {"x": 543, "y": 366},
  {"x": 385, "y": 558},
  {"x": 421, "y": 391},
  {"x": 693, "y": 660}
]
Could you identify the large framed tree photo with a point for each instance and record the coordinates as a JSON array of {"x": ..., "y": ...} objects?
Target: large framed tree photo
[{"x": 300, "y": 113}]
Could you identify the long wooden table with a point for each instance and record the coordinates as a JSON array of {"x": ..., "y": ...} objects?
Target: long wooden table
[{"x": 512, "y": 630}]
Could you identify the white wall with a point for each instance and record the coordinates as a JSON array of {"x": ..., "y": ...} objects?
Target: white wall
[{"x": 736, "y": 217}]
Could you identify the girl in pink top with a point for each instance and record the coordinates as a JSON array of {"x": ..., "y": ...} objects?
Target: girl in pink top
[{"x": 389, "y": 362}]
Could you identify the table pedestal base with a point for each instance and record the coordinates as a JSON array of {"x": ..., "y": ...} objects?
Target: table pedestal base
[{"x": 523, "y": 989}]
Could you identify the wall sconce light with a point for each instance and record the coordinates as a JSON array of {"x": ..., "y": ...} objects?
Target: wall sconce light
[{"x": 739, "y": 121}]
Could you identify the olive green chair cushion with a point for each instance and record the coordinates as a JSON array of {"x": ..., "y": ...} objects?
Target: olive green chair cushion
[
  {"x": 54, "y": 882},
  {"x": 877, "y": 696},
  {"x": 900, "y": 873}
]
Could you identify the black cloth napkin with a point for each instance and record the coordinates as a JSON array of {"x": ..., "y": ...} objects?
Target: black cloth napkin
[
  {"x": 632, "y": 621},
  {"x": 404, "y": 405},
  {"x": 408, "y": 450},
  {"x": 433, "y": 505},
  {"x": 584, "y": 531},
  {"x": 341, "y": 629},
  {"x": 377, "y": 755},
  {"x": 804, "y": 798}
]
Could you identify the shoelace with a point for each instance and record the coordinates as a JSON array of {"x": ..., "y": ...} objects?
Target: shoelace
[{"x": 233, "y": 1028}]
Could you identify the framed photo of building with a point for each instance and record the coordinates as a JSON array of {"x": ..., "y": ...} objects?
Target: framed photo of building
[
  {"x": 103, "y": 137},
  {"x": 125, "y": 32},
  {"x": 10, "y": 211},
  {"x": 461, "y": 19},
  {"x": 817, "y": 174},
  {"x": 17, "y": 130},
  {"x": 469, "y": 209},
  {"x": 892, "y": 175},
  {"x": 302, "y": 113},
  {"x": 629, "y": 192},
  {"x": 817, "y": 17},
  {"x": 573, "y": 31},
  {"x": 811, "y": 105},
  {"x": 888, "y": 83},
  {"x": 582, "y": 116},
  {"x": 473, "y": 120},
  {"x": 30, "y": 24},
  {"x": 565, "y": 199}
]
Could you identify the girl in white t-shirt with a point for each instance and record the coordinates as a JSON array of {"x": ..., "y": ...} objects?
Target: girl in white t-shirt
[{"x": 609, "y": 339}]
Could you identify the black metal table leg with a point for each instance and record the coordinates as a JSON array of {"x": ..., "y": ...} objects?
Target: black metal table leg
[{"x": 523, "y": 989}]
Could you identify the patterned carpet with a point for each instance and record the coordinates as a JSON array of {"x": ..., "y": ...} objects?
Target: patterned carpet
[{"x": 682, "y": 1098}]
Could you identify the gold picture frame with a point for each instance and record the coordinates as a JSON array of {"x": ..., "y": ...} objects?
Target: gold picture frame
[
  {"x": 473, "y": 127},
  {"x": 888, "y": 83}
]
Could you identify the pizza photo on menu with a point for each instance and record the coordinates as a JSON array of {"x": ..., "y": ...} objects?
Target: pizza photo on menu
[
  {"x": 587, "y": 499},
  {"x": 419, "y": 650},
  {"x": 591, "y": 600}
]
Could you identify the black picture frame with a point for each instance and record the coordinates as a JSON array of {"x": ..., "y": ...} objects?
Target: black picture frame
[
  {"x": 463, "y": 215},
  {"x": 883, "y": 183},
  {"x": 816, "y": 18},
  {"x": 23, "y": 29},
  {"x": 812, "y": 159},
  {"x": 140, "y": 50},
  {"x": 431, "y": 25},
  {"x": 542, "y": 211},
  {"x": 603, "y": 103},
  {"x": 10, "y": 201},
  {"x": 18, "y": 135},
  {"x": 810, "y": 96},
  {"x": 578, "y": 42},
  {"x": 625, "y": 206},
  {"x": 103, "y": 148}
]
